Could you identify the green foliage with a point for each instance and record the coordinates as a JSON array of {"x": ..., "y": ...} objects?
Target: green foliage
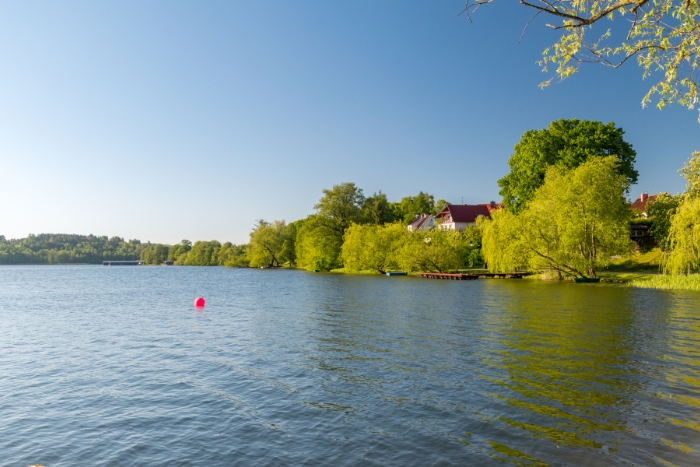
[
  {"x": 576, "y": 221},
  {"x": 179, "y": 252},
  {"x": 289, "y": 253},
  {"x": 234, "y": 256},
  {"x": 662, "y": 35},
  {"x": 203, "y": 254},
  {"x": 411, "y": 206},
  {"x": 565, "y": 144},
  {"x": 318, "y": 243},
  {"x": 373, "y": 247},
  {"x": 342, "y": 203},
  {"x": 271, "y": 245},
  {"x": 691, "y": 172},
  {"x": 391, "y": 247},
  {"x": 684, "y": 238},
  {"x": 377, "y": 210},
  {"x": 505, "y": 244},
  {"x": 661, "y": 211},
  {"x": 67, "y": 248},
  {"x": 439, "y": 206},
  {"x": 154, "y": 254},
  {"x": 441, "y": 251}
]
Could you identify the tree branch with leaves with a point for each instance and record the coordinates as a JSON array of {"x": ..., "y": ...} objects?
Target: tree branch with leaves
[{"x": 663, "y": 35}]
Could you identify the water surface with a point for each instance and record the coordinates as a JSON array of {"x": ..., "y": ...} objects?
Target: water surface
[{"x": 112, "y": 366}]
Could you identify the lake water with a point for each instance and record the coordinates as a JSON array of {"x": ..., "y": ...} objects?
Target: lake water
[{"x": 112, "y": 366}]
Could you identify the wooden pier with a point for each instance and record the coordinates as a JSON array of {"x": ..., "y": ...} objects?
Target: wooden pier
[
  {"x": 473, "y": 276},
  {"x": 454, "y": 277},
  {"x": 122, "y": 263}
]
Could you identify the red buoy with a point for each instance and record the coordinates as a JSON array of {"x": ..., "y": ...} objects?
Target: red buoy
[{"x": 199, "y": 302}]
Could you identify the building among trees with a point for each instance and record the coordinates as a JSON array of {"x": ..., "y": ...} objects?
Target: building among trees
[
  {"x": 422, "y": 223},
  {"x": 642, "y": 204},
  {"x": 460, "y": 216}
]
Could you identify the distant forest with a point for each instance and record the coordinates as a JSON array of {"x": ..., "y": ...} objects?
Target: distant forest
[
  {"x": 67, "y": 248},
  {"x": 91, "y": 249}
]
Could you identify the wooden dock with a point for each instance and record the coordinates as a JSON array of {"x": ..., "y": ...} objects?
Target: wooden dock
[
  {"x": 121, "y": 263},
  {"x": 471, "y": 277},
  {"x": 454, "y": 277}
]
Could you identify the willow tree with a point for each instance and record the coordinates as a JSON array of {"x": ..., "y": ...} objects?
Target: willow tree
[
  {"x": 576, "y": 221},
  {"x": 684, "y": 231},
  {"x": 318, "y": 243},
  {"x": 565, "y": 143},
  {"x": 373, "y": 247},
  {"x": 439, "y": 251},
  {"x": 684, "y": 239},
  {"x": 267, "y": 243},
  {"x": 662, "y": 35}
]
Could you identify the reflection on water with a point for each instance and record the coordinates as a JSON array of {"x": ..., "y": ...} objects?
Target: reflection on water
[{"x": 289, "y": 368}]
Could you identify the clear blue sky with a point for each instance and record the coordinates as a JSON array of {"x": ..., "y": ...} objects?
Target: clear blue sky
[{"x": 167, "y": 120}]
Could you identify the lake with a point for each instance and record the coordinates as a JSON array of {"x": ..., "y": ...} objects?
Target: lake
[{"x": 112, "y": 366}]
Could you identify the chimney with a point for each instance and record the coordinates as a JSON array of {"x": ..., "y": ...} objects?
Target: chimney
[
  {"x": 644, "y": 197},
  {"x": 493, "y": 204}
]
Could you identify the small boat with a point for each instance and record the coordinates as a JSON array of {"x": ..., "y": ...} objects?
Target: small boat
[
  {"x": 315, "y": 270},
  {"x": 397, "y": 273},
  {"x": 586, "y": 279}
]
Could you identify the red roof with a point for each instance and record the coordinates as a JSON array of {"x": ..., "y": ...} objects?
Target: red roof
[
  {"x": 643, "y": 202},
  {"x": 465, "y": 212}
]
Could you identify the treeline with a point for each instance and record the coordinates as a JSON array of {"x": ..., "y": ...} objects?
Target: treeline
[
  {"x": 66, "y": 248},
  {"x": 676, "y": 223},
  {"x": 202, "y": 253},
  {"x": 565, "y": 208},
  {"x": 359, "y": 233},
  {"x": 565, "y": 211},
  {"x": 92, "y": 249}
]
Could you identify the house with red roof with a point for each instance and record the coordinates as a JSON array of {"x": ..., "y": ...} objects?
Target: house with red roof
[
  {"x": 460, "y": 216},
  {"x": 642, "y": 204}
]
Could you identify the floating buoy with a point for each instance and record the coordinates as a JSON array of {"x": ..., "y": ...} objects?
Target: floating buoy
[{"x": 199, "y": 302}]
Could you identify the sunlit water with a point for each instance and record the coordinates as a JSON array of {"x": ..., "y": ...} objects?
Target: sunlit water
[{"x": 112, "y": 366}]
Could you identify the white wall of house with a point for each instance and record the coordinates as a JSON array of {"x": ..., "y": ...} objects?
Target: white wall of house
[{"x": 456, "y": 225}]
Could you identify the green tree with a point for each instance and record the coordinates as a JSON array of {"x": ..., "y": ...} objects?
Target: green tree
[
  {"x": 576, "y": 221},
  {"x": 410, "y": 206},
  {"x": 437, "y": 251},
  {"x": 267, "y": 243},
  {"x": 439, "y": 205},
  {"x": 343, "y": 203},
  {"x": 154, "y": 254},
  {"x": 691, "y": 172},
  {"x": 505, "y": 245},
  {"x": 662, "y": 35},
  {"x": 289, "y": 253},
  {"x": 684, "y": 238},
  {"x": 203, "y": 254},
  {"x": 318, "y": 243},
  {"x": 564, "y": 144},
  {"x": 179, "y": 252},
  {"x": 377, "y": 210},
  {"x": 373, "y": 247},
  {"x": 233, "y": 256},
  {"x": 660, "y": 212}
]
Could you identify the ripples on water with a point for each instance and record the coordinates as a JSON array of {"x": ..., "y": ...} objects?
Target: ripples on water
[{"x": 113, "y": 367}]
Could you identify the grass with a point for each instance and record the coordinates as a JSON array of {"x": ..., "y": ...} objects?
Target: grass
[
  {"x": 649, "y": 261},
  {"x": 664, "y": 282}
]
